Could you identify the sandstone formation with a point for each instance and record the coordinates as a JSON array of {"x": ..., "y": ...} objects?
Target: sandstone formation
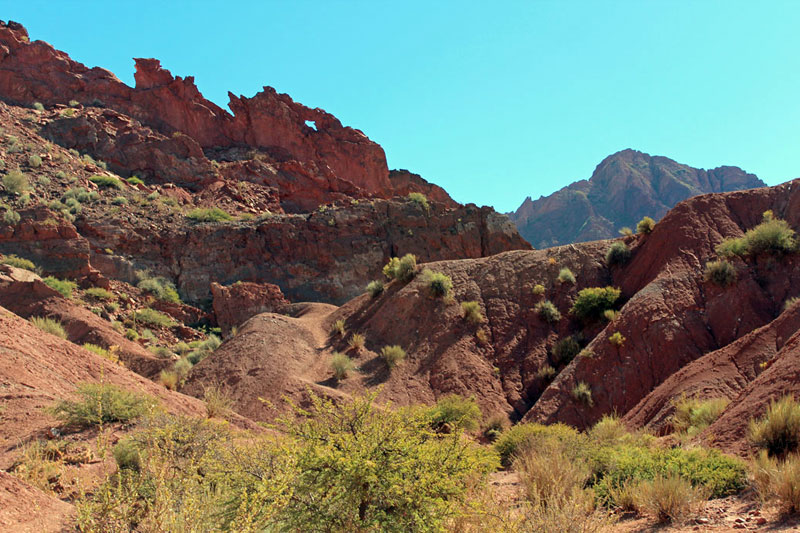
[
  {"x": 624, "y": 187},
  {"x": 316, "y": 210},
  {"x": 234, "y": 304}
]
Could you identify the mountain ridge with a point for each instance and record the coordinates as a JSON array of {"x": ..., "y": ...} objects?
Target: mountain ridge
[{"x": 623, "y": 188}]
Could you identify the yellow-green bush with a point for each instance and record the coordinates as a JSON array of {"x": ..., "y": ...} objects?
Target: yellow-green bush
[
  {"x": 548, "y": 311},
  {"x": 101, "y": 403},
  {"x": 403, "y": 269},
  {"x": 772, "y": 235},
  {"x": 693, "y": 415},
  {"x": 455, "y": 412},
  {"x": 778, "y": 431},
  {"x": 592, "y": 302},
  {"x": 49, "y": 325}
]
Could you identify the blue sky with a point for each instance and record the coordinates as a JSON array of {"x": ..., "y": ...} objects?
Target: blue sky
[{"x": 494, "y": 101}]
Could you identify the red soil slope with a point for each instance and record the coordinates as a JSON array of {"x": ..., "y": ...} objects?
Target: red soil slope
[{"x": 683, "y": 335}]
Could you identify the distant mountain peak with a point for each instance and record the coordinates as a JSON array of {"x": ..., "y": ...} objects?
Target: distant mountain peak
[{"x": 623, "y": 188}]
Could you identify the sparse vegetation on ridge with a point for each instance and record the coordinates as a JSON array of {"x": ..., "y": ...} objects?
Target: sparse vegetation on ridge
[
  {"x": 439, "y": 285},
  {"x": 101, "y": 403},
  {"x": 403, "y": 269},
  {"x": 212, "y": 214},
  {"x": 548, "y": 311},
  {"x": 772, "y": 235},
  {"x": 18, "y": 262},
  {"x": 49, "y": 325},
  {"x": 592, "y": 302},
  {"x": 618, "y": 254}
]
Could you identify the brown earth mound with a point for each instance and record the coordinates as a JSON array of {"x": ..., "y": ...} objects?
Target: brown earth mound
[
  {"x": 35, "y": 299},
  {"x": 25, "y": 509},
  {"x": 38, "y": 369}
]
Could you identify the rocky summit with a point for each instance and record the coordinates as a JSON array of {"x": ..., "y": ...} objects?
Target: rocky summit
[{"x": 624, "y": 187}]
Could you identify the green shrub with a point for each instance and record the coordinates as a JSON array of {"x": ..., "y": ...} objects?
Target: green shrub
[
  {"x": 341, "y": 365},
  {"x": 38, "y": 106},
  {"x": 131, "y": 334},
  {"x": 565, "y": 275},
  {"x": 693, "y": 415},
  {"x": 583, "y": 393},
  {"x": 213, "y": 214},
  {"x": 610, "y": 315},
  {"x": 720, "y": 273},
  {"x": 772, "y": 236},
  {"x": 351, "y": 477},
  {"x": 618, "y": 254},
  {"x": 538, "y": 289},
  {"x": 587, "y": 353},
  {"x": 375, "y": 288},
  {"x": 440, "y": 285},
  {"x": 393, "y": 355},
  {"x": 471, "y": 312},
  {"x": 108, "y": 182},
  {"x": 548, "y": 312},
  {"x": 521, "y": 436},
  {"x": 119, "y": 200},
  {"x": 80, "y": 195},
  {"x": 591, "y": 303},
  {"x": 161, "y": 288},
  {"x": 615, "y": 465},
  {"x": 403, "y": 269},
  {"x": 778, "y": 431},
  {"x": 565, "y": 350},
  {"x": 49, "y": 325},
  {"x": 625, "y": 231},
  {"x": 135, "y": 180},
  {"x": 62, "y": 286},
  {"x": 34, "y": 161},
  {"x": 101, "y": 403},
  {"x": 151, "y": 317},
  {"x": 98, "y": 293},
  {"x": 645, "y": 226},
  {"x": 420, "y": 199},
  {"x": 455, "y": 412},
  {"x": 18, "y": 262},
  {"x": 15, "y": 182}
]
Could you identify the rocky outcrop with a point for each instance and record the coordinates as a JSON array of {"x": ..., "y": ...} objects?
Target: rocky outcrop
[
  {"x": 36, "y": 72},
  {"x": 52, "y": 243},
  {"x": 236, "y": 303},
  {"x": 328, "y": 255},
  {"x": 625, "y": 187}
]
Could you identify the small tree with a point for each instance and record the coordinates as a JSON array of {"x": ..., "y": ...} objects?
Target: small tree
[{"x": 361, "y": 468}]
